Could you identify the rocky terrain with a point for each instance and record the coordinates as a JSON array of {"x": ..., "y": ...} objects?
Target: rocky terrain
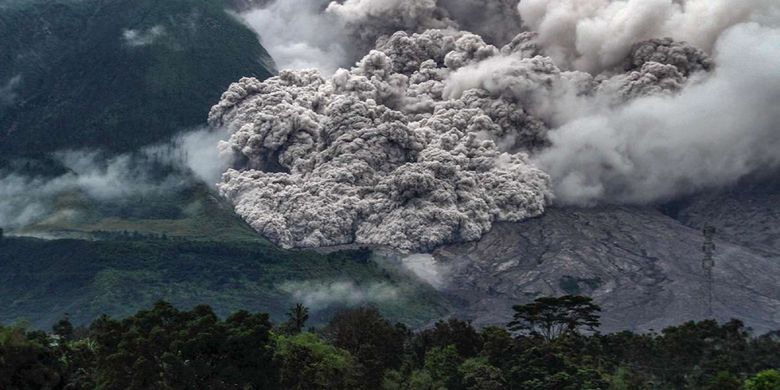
[{"x": 643, "y": 267}]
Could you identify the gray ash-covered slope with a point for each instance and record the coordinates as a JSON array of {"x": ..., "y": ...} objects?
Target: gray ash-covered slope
[
  {"x": 747, "y": 214},
  {"x": 643, "y": 267}
]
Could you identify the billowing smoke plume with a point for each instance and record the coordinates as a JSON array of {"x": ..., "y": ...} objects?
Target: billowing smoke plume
[
  {"x": 596, "y": 35},
  {"x": 327, "y": 35},
  {"x": 710, "y": 134},
  {"x": 426, "y": 140},
  {"x": 373, "y": 156}
]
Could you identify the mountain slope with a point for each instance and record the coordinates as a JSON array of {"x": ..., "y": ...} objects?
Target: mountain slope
[
  {"x": 641, "y": 266},
  {"x": 746, "y": 214},
  {"x": 115, "y": 75},
  {"x": 41, "y": 280}
]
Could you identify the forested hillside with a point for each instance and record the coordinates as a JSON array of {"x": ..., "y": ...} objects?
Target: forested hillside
[
  {"x": 42, "y": 280},
  {"x": 115, "y": 75}
]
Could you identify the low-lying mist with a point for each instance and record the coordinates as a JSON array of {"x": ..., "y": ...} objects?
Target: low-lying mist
[{"x": 34, "y": 191}]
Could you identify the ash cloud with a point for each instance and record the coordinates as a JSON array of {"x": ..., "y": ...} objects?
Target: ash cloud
[
  {"x": 327, "y": 35},
  {"x": 657, "y": 147},
  {"x": 597, "y": 35},
  {"x": 371, "y": 156},
  {"x": 437, "y": 132}
]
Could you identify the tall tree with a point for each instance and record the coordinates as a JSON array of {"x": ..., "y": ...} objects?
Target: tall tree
[
  {"x": 552, "y": 317},
  {"x": 374, "y": 342},
  {"x": 63, "y": 328},
  {"x": 296, "y": 318}
]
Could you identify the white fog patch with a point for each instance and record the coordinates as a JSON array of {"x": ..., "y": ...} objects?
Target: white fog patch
[
  {"x": 321, "y": 294},
  {"x": 298, "y": 36},
  {"x": 28, "y": 199},
  {"x": 8, "y": 91},
  {"x": 138, "y": 38},
  {"x": 427, "y": 269},
  {"x": 195, "y": 150}
]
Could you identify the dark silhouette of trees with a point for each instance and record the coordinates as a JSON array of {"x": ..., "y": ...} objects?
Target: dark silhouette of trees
[
  {"x": 167, "y": 348},
  {"x": 63, "y": 329},
  {"x": 551, "y": 317},
  {"x": 296, "y": 318},
  {"x": 374, "y": 342},
  {"x": 26, "y": 360},
  {"x": 460, "y": 334}
]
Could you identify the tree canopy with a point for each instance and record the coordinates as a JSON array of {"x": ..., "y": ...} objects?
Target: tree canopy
[
  {"x": 164, "y": 347},
  {"x": 551, "y": 317}
]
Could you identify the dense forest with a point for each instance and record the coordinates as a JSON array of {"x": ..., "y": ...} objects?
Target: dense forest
[
  {"x": 550, "y": 344},
  {"x": 115, "y": 75}
]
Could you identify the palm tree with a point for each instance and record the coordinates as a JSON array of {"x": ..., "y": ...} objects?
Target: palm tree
[{"x": 297, "y": 317}]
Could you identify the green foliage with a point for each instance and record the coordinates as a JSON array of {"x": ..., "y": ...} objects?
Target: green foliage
[
  {"x": 442, "y": 365},
  {"x": 376, "y": 344},
  {"x": 165, "y": 348},
  {"x": 764, "y": 380},
  {"x": 306, "y": 362},
  {"x": 724, "y": 380},
  {"x": 43, "y": 279},
  {"x": 478, "y": 374},
  {"x": 63, "y": 329},
  {"x": 81, "y": 82},
  {"x": 497, "y": 345},
  {"x": 422, "y": 380},
  {"x": 454, "y": 332}
]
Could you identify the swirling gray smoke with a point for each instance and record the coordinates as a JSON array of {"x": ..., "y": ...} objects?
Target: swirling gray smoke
[
  {"x": 372, "y": 156},
  {"x": 437, "y": 132}
]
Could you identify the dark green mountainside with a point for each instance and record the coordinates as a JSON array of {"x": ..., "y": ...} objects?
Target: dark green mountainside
[
  {"x": 41, "y": 280},
  {"x": 116, "y": 74}
]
